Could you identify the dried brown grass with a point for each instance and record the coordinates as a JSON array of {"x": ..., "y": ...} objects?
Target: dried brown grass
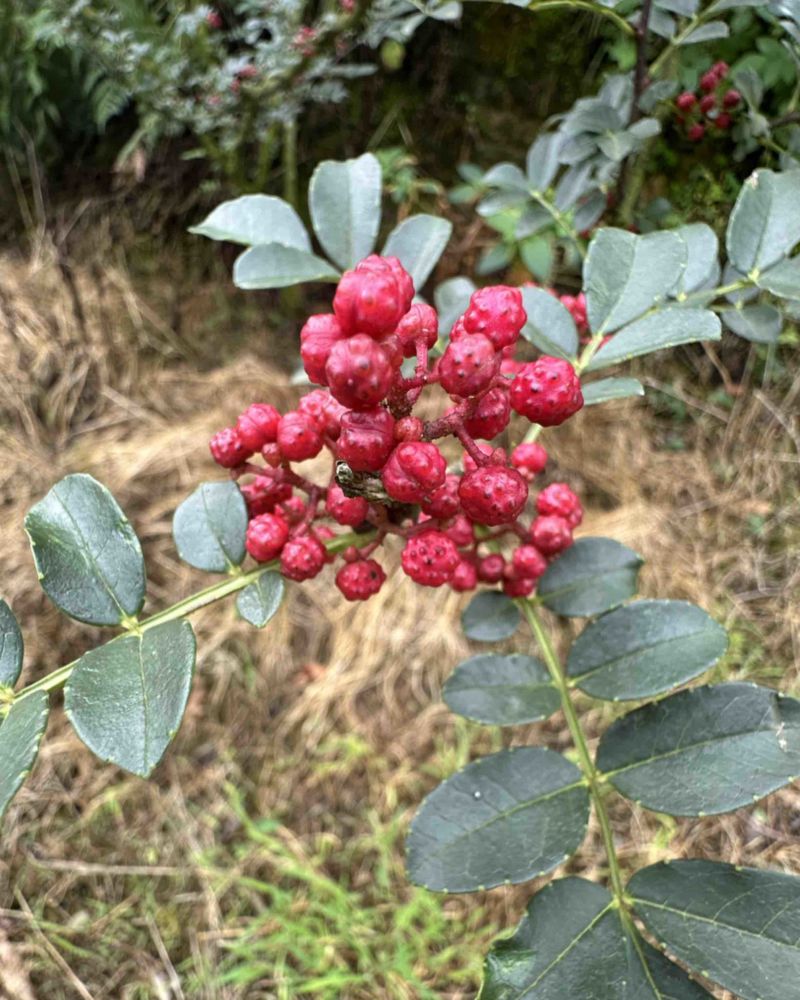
[{"x": 104, "y": 386}]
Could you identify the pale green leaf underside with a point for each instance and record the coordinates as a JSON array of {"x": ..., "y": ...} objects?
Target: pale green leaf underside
[
  {"x": 549, "y": 325},
  {"x": 254, "y": 219},
  {"x": 661, "y": 329},
  {"x": 11, "y": 646},
  {"x": 274, "y": 265},
  {"x": 20, "y": 734},
  {"x": 606, "y": 389},
  {"x": 418, "y": 242},
  {"x": 259, "y": 601},
  {"x": 345, "y": 202}
]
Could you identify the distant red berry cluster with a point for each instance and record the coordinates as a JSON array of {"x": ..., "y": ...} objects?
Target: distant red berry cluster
[
  {"x": 388, "y": 475},
  {"x": 713, "y": 107}
]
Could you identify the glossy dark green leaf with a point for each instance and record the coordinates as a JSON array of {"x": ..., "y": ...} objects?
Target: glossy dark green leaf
[
  {"x": 606, "y": 389},
  {"x": 11, "y": 646},
  {"x": 501, "y": 690},
  {"x": 761, "y": 324},
  {"x": 490, "y": 616},
  {"x": 210, "y": 525},
  {"x": 126, "y": 699},
  {"x": 273, "y": 265},
  {"x": 254, "y": 219},
  {"x": 645, "y": 648},
  {"x": 737, "y": 926},
  {"x": 20, "y": 734},
  {"x": 345, "y": 202},
  {"x": 504, "y": 818},
  {"x": 549, "y": 325},
  {"x": 703, "y": 751},
  {"x": 656, "y": 332},
  {"x": 625, "y": 275},
  {"x": 87, "y": 554},
  {"x": 572, "y": 945},
  {"x": 259, "y": 601},
  {"x": 783, "y": 279},
  {"x": 418, "y": 242},
  {"x": 592, "y": 576},
  {"x": 765, "y": 222}
]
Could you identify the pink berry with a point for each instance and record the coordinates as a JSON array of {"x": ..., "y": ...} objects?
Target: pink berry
[
  {"x": 709, "y": 81},
  {"x": 723, "y": 120},
  {"x": 551, "y": 534},
  {"x": 414, "y": 470},
  {"x": 430, "y": 558},
  {"x": 547, "y": 391},
  {"x": 408, "y": 429},
  {"x": 317, "y": 338},
  {"x": 371, "y": 300},
  {"x": 528, "y": 562},
  {"x": 227, "y": 448},
  {"x": 266, "y": 536},
  {"x": 494, "y": 456},
  {"x": 302, "y": 558},
  {"x": 465, "y": 577},
  {"x": 419, "y": 323},
  {"x": 491, "y": 415},
  {"x": 257, "y": 426},
  {"x": 529, "y": 459},
  {"x": 720, "y": 69},
  {"x": 491, "y": 568},
  {"x": 325, "y": 411},
  {"x": 343, "y": 509},
  {"x": 393, "y": 265},
  {"x": 461, "y": 531},
  {"x": 708, "y": 103},
  {"x": 558, "y": 499},
  {"x": 731, "y": 99},
  {"x": 214, "y": 20},
  {"x": 443, "y": 502},
  {"x": 519, "y": 586},
  {"x": 294, "y": 509},
  {"x": 497, "y": 313},
  {"x": 686, "y": 100},
  {"x": 468, "y": 365},
  {"x": 359, "y": 580},
  {"x": 298, "y": 436},
  {"x": 366, "y": 439},
  {"x": 359, "y": 372},
  {"x": 263, "y": 493},
  {"x": 696, "y": 132},
  {"x": 493, "y": 495}
]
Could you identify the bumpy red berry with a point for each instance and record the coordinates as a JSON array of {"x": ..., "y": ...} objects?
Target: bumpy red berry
[
  {"x": 343, "y": 509},
  {"x": 263, "y": 493},
  {"x": 366, "y": 439},
  {"x": 394, "y": 266},
  {"x": 465, "y": 577},
  {"x": 558, "y": 499},
  {"x": 317, "y": 338},
  {"x": 359, "y": 580},
  {"x": 257, "y": 426},
  {"x": 468, "y": 365},
  {"x": 551, "y": 534},
  {"x": 491, "y": 415},
  {"x": 723, "y": 120},
  {"x": 298, "y": 436},
  {"x": 419, "y": 323},
  {"x": 408, "y": 429},
  {"x": 372, "y": 299},
  {"x": 709, "y": 81},
  {"x": 494, "y": 456},
  {"x": 461, "y": 531},
  {"x": 227, "y": 448},
  {"x": 547, "y": 391},
  {"x": 519, "y": 586},
  {"x": 528, "y": 562},
  {"x": 430, "y": 558},
  {"x": 324, "y": 410},
  {"x": 415, "y": 469},
  {"x": 266, "y": 536},
  {"x": 359, "y": 372},
  {"x": 493, "y": 495},
  {"x": 302, "y": 558},
  {"x": 444, "y": 502},
  {"x": 529, "y": 459},
  {"x": 708, "y": 103},
  {"x": 686, "y": 100},
  {"x": 491, "y": 568},
  {"x": 497, "y": 313}
]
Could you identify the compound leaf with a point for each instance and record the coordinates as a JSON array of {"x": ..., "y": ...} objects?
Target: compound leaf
[
  {"x": 210, "y": 526},
  {"x": 259, "y": 601},
  {"x": 501, "y": 690},
  {"x": 345, "y": 202},
  {"x": 592, "y": 576},
  {"x": 490, "y": 616}
]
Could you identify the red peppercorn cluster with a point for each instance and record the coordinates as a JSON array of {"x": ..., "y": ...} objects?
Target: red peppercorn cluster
[
  {"x": 388, "y": 475},
  {"x": 713, "y": 107}
]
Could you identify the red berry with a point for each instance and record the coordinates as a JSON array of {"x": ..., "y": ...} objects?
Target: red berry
[
  {"x": 430, "y": 558},
  {"x": 302, "y": 558},
  {"x": 393, "y": 265},
  {"x": 258, "y": 425},
  {"x": 294, "y": 509},
  {"x": 359, "y": 372},
  {"x": 263, "y": 493},
  {"x": 414, "y": 471},
  {"x": 227, "y": 448},
  {"x": 343, "y": 509},
  {"x": 720, "y": 69},
  {"x": 551, "y": 534},
  {"x": 298, "y": 436},
  {"x": 558, "y": 499},
  {"x": 547, "y": 391},
  {"x": 468, "y": 365},
  {"x": 443, "y": 502},
  {"x": 491, "y": 568},
  {"x": 266, "y": 536},
  {"x": 317, "y": 338},
  {"x": 529, "y": 459},
  {"x": 686, "y": 100},
  {"x": 497, "y": 313},
  {"x": 491, "y": 415},
  {"x": 360, "y": 580},
  {"x": 408, "y": 429},
  {"x": 465, "y": 577},
  {"x": 323, "y": 410},
  {"x": 494, "y": 456},
  {"x": 708, "y": 103},
  {"x": 461, "y": 531},
  {"x": 519, "y": 586},
  {"x": 723, "y": 120},
  {"x": 214, "y": 20},
  {"x": 366, "y": 439},
  {"x": 709, "y": 81},
  {"x": 528, "y": 562},
  {"x": 731, "y": 99},
  {"x": 324, "y": 534},
  {"x": 696, "y": 132},
  {"x": 419, "y": 323},
  {"x": 493, "y": 495},
  {"x": 458, "y": 330},
  {"x": 371, "y": 300}
]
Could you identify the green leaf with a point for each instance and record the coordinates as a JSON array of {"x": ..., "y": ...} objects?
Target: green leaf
[
  {"x": 418, "y": 242},
  {"x": 490, "y": 616},
  {"x": 605, "y": 389},
  {"x": 703, "y": 751},
  {"x": 783, "y": 279},
  {"x": 537, "y": 254},
  {"x": 506, "y": 175},
  {"x": 345, "y": 202},
  {"x": 616, "y": 145},
  {"x": 533, "y": 219},
  {"x": 451, "y": 299},
  {"x": 20, "y": 735},
  {"x": 706, "y": 33},
  {"x": 656, "y": 332},
  {"x": 572, "y": 944},
  {"x": 765, "y": 222},
  {"x": 276, "y": 266},
  {"x": 501, "y": 690},
  {"x": 504, "y": 818},
  {"x": 761, "y": 324},
  {"x": 542, "y": 161},
  {"x": 11, "y": 646},
  {"x": 644, "y": 649},
  {"x": 549, "y": 326},
  {"x": 209, "y": 527},
  {"x": 258, "y": 602},
  {"x": 255, "y": 219},
  {"x": 87, "y": 554},
  {"x": 702, "y": 252},
  {"x": 126, "y": 699},
  {"x": 737, "y": 926},
  {"x": 592, "y": 576},
  {"x": 625, "y": 275}
]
